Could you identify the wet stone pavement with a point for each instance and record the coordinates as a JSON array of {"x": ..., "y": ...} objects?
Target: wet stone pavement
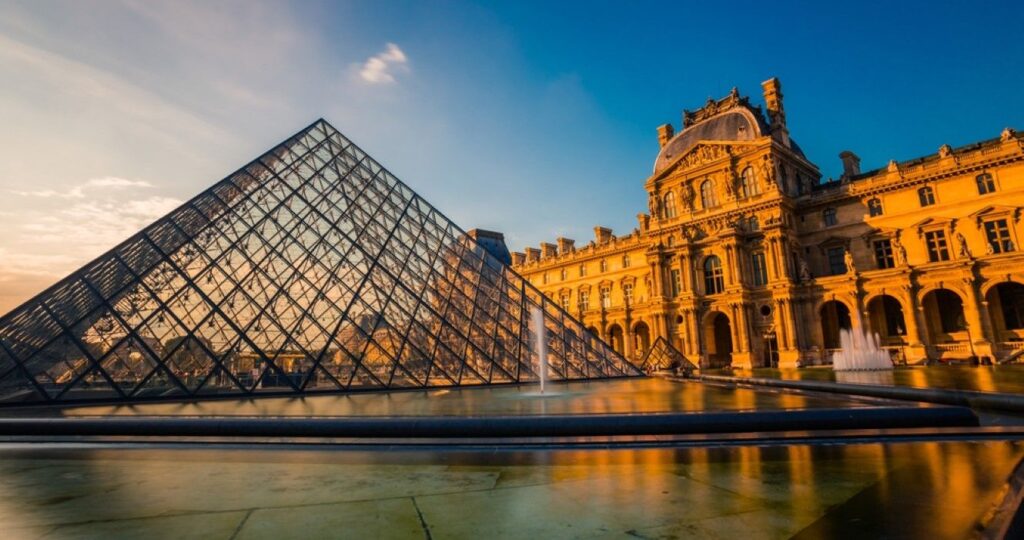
[{"x": 933, "y": 490}]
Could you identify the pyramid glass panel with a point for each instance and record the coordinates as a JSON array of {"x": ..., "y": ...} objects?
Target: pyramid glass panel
[
  {"x": 662, "y": 356},
  {"x": 311, "y": 269}
]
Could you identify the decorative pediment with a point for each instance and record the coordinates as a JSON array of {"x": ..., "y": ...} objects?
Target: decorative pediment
[
  {"x": 935, "y": 222},
  {"x": 833, "y": 241},
  {"x": 996, "y": 210},
  {"x": 703, "y": 154}
]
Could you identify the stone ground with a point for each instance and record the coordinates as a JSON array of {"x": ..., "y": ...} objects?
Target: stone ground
[{"x": 933, "y": 490}]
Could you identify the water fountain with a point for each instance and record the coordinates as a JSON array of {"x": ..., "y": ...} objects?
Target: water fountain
[
  {"x": 540, "y": 345},
  {"x": 860, "y": 352}
]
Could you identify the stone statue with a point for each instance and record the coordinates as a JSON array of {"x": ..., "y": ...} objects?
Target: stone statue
[
  {"x": 963, "y": 249},
  {"x": 848, "y": 259},
  {"x": 805, "y": 271},
  {"x": 945, "y": 151},
  {"x": 689, "y": 196},
  {"x": 768, "y": 170},
  {"x": 900, "y": 252},
  {"x": 1007, "y": 134}
]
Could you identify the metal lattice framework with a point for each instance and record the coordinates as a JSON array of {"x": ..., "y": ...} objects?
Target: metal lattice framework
[
  {"x": 662, "y": 355},
  {"x": 310, "y": 269}
]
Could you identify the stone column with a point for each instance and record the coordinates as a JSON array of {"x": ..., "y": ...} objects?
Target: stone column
[
  {"x": 981, "y": 334},
  {"x": 741, "y": 322},
  {"x": 656, "y": 279},
  {"x": 684, "y": 272}
]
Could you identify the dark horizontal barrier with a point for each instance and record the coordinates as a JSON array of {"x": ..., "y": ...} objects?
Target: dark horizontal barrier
[
  {"x": 943, "y": 396},
  {"x": 497, "y": 426}
]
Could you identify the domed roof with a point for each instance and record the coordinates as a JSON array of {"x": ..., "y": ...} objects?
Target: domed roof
[{"x": 736, "y": 124}]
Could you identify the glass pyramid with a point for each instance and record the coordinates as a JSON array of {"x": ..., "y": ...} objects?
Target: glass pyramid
[
  {"x": 310, "y": 269},
  {"x": 662, "y": 355}
]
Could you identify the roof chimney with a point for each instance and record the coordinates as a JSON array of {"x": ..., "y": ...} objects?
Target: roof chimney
[
  {"x": 565, "y": 245},
  {"x": 851, "y": 164},
  {"x": 776, "y": 112},
  {"x": 603, "y": 235},
  {"x": 548, "y": 249},
  {"x": 665, "y": 133}
]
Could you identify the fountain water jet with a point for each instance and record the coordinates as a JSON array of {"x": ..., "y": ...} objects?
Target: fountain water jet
[
  {"x": 540, "y": 345},
  {"x": 860, "y": 352}
]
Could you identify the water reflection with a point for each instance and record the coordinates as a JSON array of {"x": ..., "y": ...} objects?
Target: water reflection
[
  {"x": 1008, "y": 379},
  {"x": 616, "y": 396},
  {"x": 931, "y": 489}
]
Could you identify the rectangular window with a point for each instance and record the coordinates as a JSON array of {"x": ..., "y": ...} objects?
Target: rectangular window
[
  {"x": 926, "y": 196},
  {"x": 836, "y": 260},
  {"x": 627, "y": 293},
  {"x": 584, "y": 300},
  {"x": 938, "y": 250},
  {"x": 883, "y": 254},
  {"x": 565, "y": 302},
  {"x": 760, "y": 269},
  {"x": 606, "y": 297},
  {"x": 998, "y": 236},
  {"x": 677, "y": 284},
  {"x": 986, "y": 184},
  {"x": 830, "y": 217}
]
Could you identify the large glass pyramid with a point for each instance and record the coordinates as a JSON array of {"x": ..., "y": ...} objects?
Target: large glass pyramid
[{"x": 310, "y": 269}]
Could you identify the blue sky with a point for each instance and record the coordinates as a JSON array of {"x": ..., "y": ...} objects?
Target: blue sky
[{"x": 533, "y": 118}]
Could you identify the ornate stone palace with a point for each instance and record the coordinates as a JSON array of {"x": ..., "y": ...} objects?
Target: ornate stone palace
[{"x": 745, "y": 257}]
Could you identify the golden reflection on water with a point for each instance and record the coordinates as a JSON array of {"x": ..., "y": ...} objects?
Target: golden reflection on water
[
  {"x": 598, "y": 397},
  {"x": 937, "y": 489}
]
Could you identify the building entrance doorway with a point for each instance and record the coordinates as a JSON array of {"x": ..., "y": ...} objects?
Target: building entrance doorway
[
  {"x": 718, "y": 339},
  {"x": 771, "y": 351}
]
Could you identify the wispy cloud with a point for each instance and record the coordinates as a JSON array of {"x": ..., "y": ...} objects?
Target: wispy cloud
[
  {"x": 96, "y": 225},
  {"x": 381, "y": 68},
  {"x": 78, "y": 191}
]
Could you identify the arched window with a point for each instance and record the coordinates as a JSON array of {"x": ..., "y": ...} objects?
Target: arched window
[
  {"x": 670, "y": 205},
  {"x": 985, "y": 183},
  {"x": 604, "y": 265},
  {"x": 707, "y": 194},
  {"x": 875, "y": 207},
  {"x": 714, "y": 281},
  {"x": 926, "y": 196},
  {"x": 830, "y": 217},
  {"x": 748, "y": 183}
]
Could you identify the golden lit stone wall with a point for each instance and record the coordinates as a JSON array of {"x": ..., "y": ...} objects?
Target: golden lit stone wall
[{"x": 745, "y": 258}]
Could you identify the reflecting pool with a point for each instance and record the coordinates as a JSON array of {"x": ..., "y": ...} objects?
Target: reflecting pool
[
  {"x": 1004, "y": 379},
  {"x": 635, "y": 395},
  {"x": 922, "y": 490}
]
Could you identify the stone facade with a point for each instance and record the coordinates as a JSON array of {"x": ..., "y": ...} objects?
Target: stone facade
[{"x": 746, "y": 258}]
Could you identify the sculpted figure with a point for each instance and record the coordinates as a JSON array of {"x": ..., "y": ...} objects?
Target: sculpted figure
[
  {"x": 848, "y": 259},
  {"x": 900, "y": 252},
  {"x": 768, "y": 170},
  {"x": 805, "y": 271},
  {"x": 689, "y": 195},
  {"x": 963, "y": 248}
]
